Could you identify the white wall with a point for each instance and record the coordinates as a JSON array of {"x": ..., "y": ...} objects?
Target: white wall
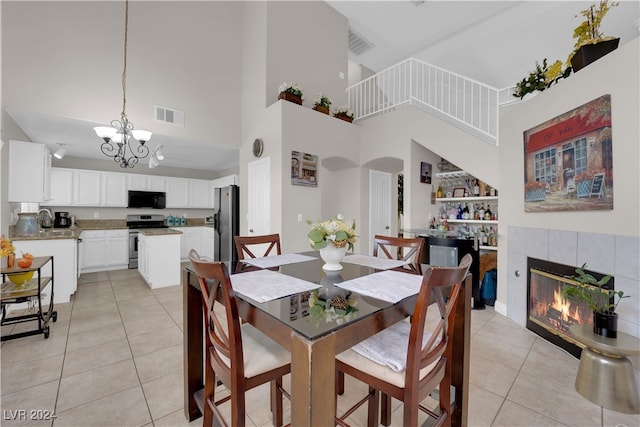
[
  {"x": 306, "y": 44},
  {"x": 606, "y": 229},
  {"x": 161, "y": 66}
]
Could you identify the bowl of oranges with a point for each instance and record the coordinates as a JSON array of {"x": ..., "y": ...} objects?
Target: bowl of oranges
[{"x": 24, "y": 262}]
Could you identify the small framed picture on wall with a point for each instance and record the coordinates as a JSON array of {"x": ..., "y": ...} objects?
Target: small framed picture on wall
[{"x": 425, "y": 172}]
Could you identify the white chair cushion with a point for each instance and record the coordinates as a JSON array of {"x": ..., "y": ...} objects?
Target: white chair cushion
[
  {"x": 261, "y": 353},
  {"x": 376, "y": 365}
]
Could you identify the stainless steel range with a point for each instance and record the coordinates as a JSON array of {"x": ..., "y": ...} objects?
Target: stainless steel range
[{"x": 135, "y": 223}]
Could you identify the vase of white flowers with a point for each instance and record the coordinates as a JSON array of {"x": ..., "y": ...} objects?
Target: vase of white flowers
[{"x": 332, "y": 238}]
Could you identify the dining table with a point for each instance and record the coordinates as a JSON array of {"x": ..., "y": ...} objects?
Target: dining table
[{"x": 314, "y": 337}]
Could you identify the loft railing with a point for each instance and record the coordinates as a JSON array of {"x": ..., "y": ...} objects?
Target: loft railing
[{"x": 454, "y": 97}]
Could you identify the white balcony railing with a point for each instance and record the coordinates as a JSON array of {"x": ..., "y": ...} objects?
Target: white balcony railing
[{"x": 468, "y": 103}]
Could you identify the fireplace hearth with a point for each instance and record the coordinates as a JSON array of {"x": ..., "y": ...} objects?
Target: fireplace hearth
[{"x": 549, "y": 314}]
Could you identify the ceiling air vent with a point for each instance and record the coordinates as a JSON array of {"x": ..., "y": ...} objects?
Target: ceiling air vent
[
  {"x": 357, "y": 43},
  {"x": 169, "y": 115}
]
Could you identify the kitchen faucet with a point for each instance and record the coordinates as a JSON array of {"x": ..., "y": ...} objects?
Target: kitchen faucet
[{"x": 45, "y": 221}]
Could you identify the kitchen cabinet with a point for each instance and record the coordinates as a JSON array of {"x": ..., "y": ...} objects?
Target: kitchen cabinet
[
  {"x": 159, "y": 259},
  {"x": 61, "y": 187},
  {"x": 29, "y": 170},
  {"x": 199, "y": 238},
  {"x": 104, "y": 250},
  {"x": 225, "y": 181},
  {"x": 177, "y": 193},
  {"x": 114, "y": 189},
  {"x": 207, "y": 243},
  {"x": 65, "y": 253},
  {"x": 146, "y": 182},
  {"x": 87, "y": 188},
  {"x": 200, "y": 194}
]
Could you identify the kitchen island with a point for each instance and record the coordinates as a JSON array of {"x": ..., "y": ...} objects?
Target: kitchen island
[{"x": 159, "y": 256}]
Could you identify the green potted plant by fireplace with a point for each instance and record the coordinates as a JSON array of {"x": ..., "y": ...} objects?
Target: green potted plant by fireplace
[
  {"x": 591, "y": 44},
  {"x": 600, "y": 299}
]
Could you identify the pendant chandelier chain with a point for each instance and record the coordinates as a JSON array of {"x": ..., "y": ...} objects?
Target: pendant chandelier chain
[
  {"x": 122, "y": 142},
  {"x": 124, "y": 71}
]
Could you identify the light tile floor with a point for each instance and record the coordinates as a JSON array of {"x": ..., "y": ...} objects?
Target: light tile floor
[{"x": 114, "y": 358}]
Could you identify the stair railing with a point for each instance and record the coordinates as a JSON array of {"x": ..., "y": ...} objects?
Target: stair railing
[{"x": 466, "y": 102}]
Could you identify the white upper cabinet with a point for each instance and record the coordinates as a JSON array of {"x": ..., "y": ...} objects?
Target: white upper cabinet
[
  {"x": 177, "y": 193},
  {"x": 29, "y": 170},
  {"x": 200, "y": 194},
  {"x": 114, "y": 189},
  {"x": 61, "y": 187},
  {"x": 87, "y": 188},
  {"x": 146, "y": 182}
]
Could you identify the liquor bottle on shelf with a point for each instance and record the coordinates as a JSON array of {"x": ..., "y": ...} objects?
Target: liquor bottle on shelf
[
  {"x": 476, "y": 188},
  {"x": 440, "y": 192},
  {"x": 481, "y": 212},
  {"x": 487, "y": 213}
]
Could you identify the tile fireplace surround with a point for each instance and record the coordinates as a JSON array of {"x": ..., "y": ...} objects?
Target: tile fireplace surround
[{"x": 604, "y": 253}]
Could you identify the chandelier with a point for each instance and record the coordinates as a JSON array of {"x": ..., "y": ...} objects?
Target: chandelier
[{"x": 121, "y": 141}]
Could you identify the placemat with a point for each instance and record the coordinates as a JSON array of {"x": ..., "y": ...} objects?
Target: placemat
[
  {"x": 277, "y": 260},
  {"x": 391, "y": 286},
  {"x": 267, "y": 285},
  {"x": 374, "y": 262}
]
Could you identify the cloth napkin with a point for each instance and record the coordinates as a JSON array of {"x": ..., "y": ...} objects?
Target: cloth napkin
[
  {"x": 389, "y": 346},
  {"x": 277, "y": 260},
  {"x": 374, "y": 262},
  {"x": 267, "y": 285},
  {"x": 391, "y": 286}
]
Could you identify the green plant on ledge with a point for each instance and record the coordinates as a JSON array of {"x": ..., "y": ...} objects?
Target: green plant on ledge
[
  {"x": 592, "y": 292},
  {"x": 541, "y": 78}
]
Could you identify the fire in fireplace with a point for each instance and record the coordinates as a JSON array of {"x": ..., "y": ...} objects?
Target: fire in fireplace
[{"x": 549, "y": 314}]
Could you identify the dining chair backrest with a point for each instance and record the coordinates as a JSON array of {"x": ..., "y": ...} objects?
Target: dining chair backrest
[
  {"x": 226, "y": 342},
  {"x": 223, "y": 334},
  {"x": 435, "y": 283},
  {"x": 401, "y": 248},
  {"x": 428, "y": 361},
  {"x": 254, "y": 247}
]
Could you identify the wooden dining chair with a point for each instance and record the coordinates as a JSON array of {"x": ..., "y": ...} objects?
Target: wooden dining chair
[
  {"x": 407, "y": 249},
  {"x": 237, "y": 354},
  {"x": 265, "y": 245},
  {"x": 428, "y": 358}
]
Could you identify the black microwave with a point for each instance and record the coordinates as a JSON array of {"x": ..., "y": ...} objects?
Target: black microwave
[{"x": 147, "y": 199}]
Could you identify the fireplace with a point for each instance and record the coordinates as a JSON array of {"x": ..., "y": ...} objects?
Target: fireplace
[{"x": 549, "y": 314}]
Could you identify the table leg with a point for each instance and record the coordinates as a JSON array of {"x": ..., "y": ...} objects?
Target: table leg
[{"x": 313, "y": 381}]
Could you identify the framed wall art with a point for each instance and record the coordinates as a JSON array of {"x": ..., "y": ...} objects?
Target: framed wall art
[
  {"x": 425, "y": 172},
  {"x": 304, "y": 169},
  {"x": 568, "y": 161}
]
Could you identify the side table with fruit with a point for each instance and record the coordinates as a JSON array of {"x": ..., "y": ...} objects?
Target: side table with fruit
[{"x": 20, "y": 286}]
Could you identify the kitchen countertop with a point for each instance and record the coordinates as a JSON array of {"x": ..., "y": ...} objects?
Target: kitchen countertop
[
  {"x": 51, "y": 234},
  {"x": 106, "y": 224},
  {"x": 158, "y": 231}
]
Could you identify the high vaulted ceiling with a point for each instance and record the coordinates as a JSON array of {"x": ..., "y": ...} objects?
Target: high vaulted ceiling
[{"x": 494, "y": 42}]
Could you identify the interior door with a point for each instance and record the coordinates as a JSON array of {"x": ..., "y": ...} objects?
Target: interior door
[
  {"x": 379, "y": 205},
  {"x": 259, "y": 197}
]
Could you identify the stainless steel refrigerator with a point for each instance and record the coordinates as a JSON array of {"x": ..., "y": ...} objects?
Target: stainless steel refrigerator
[{"x": 226, "y": 207}]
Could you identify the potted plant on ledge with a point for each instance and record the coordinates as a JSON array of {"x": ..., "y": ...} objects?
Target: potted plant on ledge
[
  {"x": 291, "y": 92},
  {"x": 321, "y": 103},
  {"x": 590, "y": 42},
  {"x": 602, "y": 301},
  {"x": 344, "y": 113}
]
